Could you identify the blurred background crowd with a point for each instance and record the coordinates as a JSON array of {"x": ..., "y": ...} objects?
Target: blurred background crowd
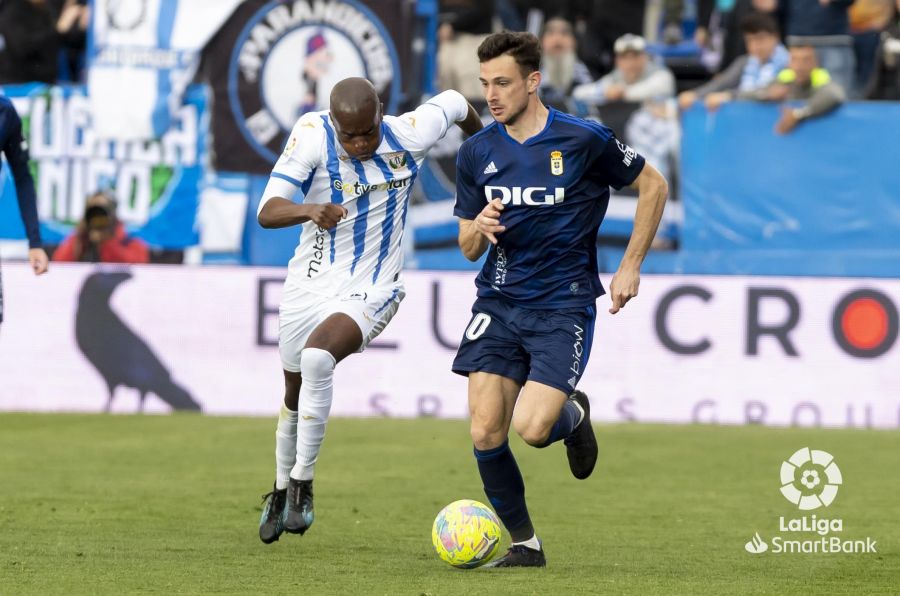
[{"x": 636, "y": 65}]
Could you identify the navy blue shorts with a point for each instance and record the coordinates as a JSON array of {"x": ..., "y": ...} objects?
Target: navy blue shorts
[{"x": 547, "y": 346}]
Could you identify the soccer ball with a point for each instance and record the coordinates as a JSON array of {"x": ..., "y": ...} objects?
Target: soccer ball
[{"x": 466, "y": 534}]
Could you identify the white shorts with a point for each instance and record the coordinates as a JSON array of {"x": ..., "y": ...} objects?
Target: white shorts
[{"x": 371, "y": 308}]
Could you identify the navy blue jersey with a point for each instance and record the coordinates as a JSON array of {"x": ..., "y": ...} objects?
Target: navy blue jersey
[
  {"x": 555, "y": 190},
  {"x": 13, "y": 146}
]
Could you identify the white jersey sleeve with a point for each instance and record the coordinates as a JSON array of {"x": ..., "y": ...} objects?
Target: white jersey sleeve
[
  {"x": 432, "y": 119},
  {"x": 298, "y": 161}
]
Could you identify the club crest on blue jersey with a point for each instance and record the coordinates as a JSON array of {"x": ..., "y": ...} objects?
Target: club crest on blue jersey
[{"x": 556, "y": 163}]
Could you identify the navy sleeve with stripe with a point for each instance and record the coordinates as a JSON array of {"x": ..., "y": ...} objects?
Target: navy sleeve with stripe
[
  {"x": 16, "y": 151},
  {"x": 469, "y": 201},
  {"x": 617, "y": 164}
]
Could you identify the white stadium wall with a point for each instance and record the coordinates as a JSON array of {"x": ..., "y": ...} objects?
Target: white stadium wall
[{"x": 767, "y": 350}]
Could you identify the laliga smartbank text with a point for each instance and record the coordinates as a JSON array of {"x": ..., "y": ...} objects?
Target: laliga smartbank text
[{"x": 825, "y": 542}]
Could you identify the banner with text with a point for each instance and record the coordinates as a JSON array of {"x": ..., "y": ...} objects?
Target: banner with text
[
  {"x": 775, "y": 351},
  {"x": 273, "y": 61},
  {"x": 156, "y": 182}
]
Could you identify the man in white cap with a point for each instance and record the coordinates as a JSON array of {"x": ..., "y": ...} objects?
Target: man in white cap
[{"x": 635, "y": 78}]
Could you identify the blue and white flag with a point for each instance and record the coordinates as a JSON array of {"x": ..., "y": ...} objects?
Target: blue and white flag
[{"x": 142, "y": 55}]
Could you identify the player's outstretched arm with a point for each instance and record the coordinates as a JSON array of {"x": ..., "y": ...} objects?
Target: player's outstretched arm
[
  {"x": 281, "y": 213},
  {"x": 652, "y": 192}
]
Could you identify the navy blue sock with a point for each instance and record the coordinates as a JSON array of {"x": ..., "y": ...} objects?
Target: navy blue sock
[
  {"x": 565, "y": 424},
  {"x": 505, "y": 489}
]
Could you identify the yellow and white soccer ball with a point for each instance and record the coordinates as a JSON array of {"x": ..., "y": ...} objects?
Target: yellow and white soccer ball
[{"x": 466, "y": 534}]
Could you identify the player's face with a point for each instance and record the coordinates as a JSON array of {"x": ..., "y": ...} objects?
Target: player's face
[
  {"x": 506, "y": 90},
  {"x": 359, "y": 133}
]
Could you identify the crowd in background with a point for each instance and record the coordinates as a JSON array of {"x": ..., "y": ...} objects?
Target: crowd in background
[
  {"x": 636, "y": 64},
  {"x": 43, "y": 40},
  {"x": 855, "y": 41}
]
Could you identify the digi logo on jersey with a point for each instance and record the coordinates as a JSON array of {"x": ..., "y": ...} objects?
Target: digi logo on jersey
[
  {"x": 517, "y": 195},
  {"x": 291, "y": 54}
]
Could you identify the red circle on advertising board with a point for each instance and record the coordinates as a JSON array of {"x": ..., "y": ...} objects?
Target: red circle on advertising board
[{"x": 865, "y": 323}]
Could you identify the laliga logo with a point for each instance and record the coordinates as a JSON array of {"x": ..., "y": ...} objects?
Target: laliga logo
[{"x": 810, "y": 479}]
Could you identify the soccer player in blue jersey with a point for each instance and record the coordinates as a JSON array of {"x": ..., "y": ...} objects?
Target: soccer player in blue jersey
[
  {"x": 13, "y": 145},
  {"x": 532, "y": 189}
]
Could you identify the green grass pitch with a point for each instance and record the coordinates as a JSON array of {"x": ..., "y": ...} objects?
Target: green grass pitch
[{"x": 170, "y": 504}]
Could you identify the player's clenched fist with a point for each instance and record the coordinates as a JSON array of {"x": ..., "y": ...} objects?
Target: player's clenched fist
[
  {"x": 488, "y": 221},
  {"x": 328, "y": 215}
]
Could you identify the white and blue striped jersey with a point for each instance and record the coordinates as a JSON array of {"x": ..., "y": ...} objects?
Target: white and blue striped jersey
[{"x": 364, "y": 248}]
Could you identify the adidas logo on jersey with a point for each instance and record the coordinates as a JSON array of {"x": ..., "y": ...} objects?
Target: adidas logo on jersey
[{"x": 490, "y": 169}]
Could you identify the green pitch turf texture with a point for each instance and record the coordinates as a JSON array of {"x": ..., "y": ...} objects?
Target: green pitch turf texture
[{"x": 170, "y": 504}]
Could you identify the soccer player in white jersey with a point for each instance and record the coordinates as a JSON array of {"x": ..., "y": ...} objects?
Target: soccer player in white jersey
[{"x": 345, "y": 175}]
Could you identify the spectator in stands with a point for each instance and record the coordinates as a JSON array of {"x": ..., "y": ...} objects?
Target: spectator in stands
[
  {"x": 464, "y": 24},
  {"x": 868, "y": 20},
  {"x": 528, "y": 12},
  {"x": 719, "y": 27},
  {"x": 825, "y": 25},
  {"x": 802, "y": 80},
  {"x": 29, "y": 44},
  {"x": 101, "y": 238},
  {"x": 885, "y": 81},
  {"x": 608, "y": 21},
  {"x": 72, "y": 26},
  {"x": 765, "y": 58},
  {"x": 635, "y": 78},
  {"x": 652, "y": 129},
  {"x": 673, "y": 32},
  {"x": 561, "y": 69}
]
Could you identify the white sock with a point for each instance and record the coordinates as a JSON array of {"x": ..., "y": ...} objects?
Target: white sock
[
  {"x": 317, "y": 370},
  {"x": 285, "y": 446},
  {"x": 533, "y": 543}
]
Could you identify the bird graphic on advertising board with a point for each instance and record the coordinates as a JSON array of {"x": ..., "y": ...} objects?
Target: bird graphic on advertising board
[{"x": 118, "y": 353}]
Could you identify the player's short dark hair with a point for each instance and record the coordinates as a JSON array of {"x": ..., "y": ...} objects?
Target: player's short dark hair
[
  {"x": 759, "y": 22},
  {"x": 524, "y": 47}
]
